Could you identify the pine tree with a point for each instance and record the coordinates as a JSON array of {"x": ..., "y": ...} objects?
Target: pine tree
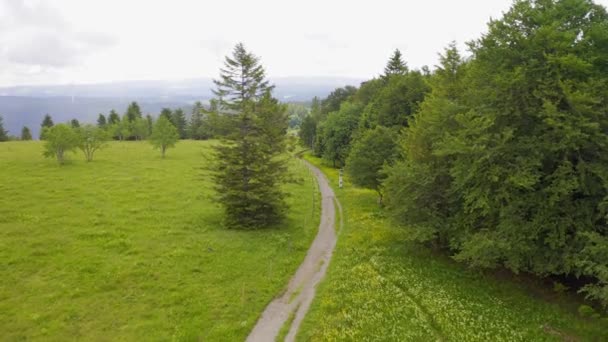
[
  {"x": 3, "y": 132},
  {"x": 249, "y": 169},
  {"x": 241, "y": 81},
  {"x": 196, "y": 121},
  {"x": 113, "y": 117},
  {"x": 167, "y": 113},
  {"x": 26, "y": 134},
  {"x": 133, "y": 112},
  {"x": 178, "y": 118},
  {"x": 47, "y": 123},
  {"x": 101, "y": 121},
  {"x": 395, "y": 65}
]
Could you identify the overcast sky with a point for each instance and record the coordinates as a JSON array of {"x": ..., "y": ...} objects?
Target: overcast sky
[{"x": 86, "y": 41}]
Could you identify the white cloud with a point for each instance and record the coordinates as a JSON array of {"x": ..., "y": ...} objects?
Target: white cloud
[{"x": 74, "y": 41}]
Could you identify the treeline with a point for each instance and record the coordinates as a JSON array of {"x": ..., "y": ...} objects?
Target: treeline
[{"x": 500, "y": 158}]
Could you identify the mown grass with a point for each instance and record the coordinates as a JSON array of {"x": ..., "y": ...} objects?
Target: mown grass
[
  {"x": 382, "y": 288},
  {"x": 131, "y": 247}
]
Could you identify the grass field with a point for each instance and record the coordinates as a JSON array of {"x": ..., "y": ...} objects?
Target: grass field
[
  {"x": 381, "y": 288},
  {"x": 131, "y": 247}
]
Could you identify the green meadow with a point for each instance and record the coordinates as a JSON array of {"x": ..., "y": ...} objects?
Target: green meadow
[
  {"x": 132, "y": 247},
  {"x": 380, "y": 287}
]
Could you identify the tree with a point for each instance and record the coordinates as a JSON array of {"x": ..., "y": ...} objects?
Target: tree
[
  {"x": 374, "y": 150},
  {"x": 308, "y": 129},
  {"x": 249, "y": 168},
  {"x": 337, "y": 133},
  {"x": 140, "y": 129},
  {"x": 113, "y": 117},
  {"x": 196, "y": 122},
  {"x": 150, "y": 122},
  {"x": 133, "y": 112},
  {"x": 91, "y": 139},
  {"x": 101, "y": 121},
  {"x": 512, "y": 162},
  {"x": 178, "y": 118},
  {"x": 395, "y": 65},
  {"x": 60, "y": 139},
  {"x": 26, "y": 134},
  {"x": 167, "y": 113},
  {"x": 74, "y": 123},
  {"x": 242, "y": 80},
  {"x": 164, "y": 135},
  {"x": 47, "y": 123},
  {"x": 3, "y": 132}
]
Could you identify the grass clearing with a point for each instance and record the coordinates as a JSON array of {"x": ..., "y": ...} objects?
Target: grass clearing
[
  {"x": 131, "y": 247},
  {"x": 379, "y": 287}
]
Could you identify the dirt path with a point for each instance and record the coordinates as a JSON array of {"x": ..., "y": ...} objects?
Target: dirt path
[{"x": 301, "y": 288}]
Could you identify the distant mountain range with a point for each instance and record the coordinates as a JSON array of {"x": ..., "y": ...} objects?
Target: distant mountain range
[{"x": 26, "y": 105}]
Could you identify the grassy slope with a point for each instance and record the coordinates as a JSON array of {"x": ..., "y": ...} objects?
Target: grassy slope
[
  {"x": 130, "y": 247},
  {"x": 380, "y": 287}
]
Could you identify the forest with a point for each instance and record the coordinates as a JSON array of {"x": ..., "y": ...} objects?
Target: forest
[{"x": 497, "y": 158}]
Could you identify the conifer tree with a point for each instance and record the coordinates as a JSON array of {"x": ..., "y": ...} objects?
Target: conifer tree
[
  {"x": 101, "y": 121},
  {"x": 26, "y": 134},
  {"x": 395, "y": 65},
  {"x": 113, "y": 117},
  {"x": 47, "y": 123},
  {"x": 3, "y": 132},
  {"x": 178, "y": 118},
  {"x": 196, "y": 121},
  {"x": 133, "y": 112},
  {"x": 249, "y": 169}
]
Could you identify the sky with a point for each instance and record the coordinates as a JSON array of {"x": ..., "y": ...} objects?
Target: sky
[{"x": 92, "y": 41}]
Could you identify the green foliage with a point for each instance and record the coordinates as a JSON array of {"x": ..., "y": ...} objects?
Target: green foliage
[
  {"x": 26, "y": 134},
  {"x": 3, "y": 132},
  {"x": 47, "y": 123},
  {"x": 130, "y": 240},
  {"x": 296, "y": 113},
  {"x": 178, "y": 118},
  {"x": 133, "y": 112},
  {"x": 374, "y": 150},
  {"x": 234, "y": 92},
  {"x": 397, "y": 100},
  {"x": 585, "y": 311},
  {"x": 506, "y": 166},
  {"x": 395, "y": 65},
  {"x": 337, "y": 132},
  {"x": 195, "y": 126},
  {"x": 59, "y": 139},
  {"x": 380, "y": 287},
  {"x": 164, "y": 135},
  {"x": 249, "y": 166},
  {"x": 90, "y": 139},
  {"x": 307, "y": 132},
  {"x": 113, "y": 118},
  {"x": 101, "y": 121},
  {"x": 74, "y": 123}
]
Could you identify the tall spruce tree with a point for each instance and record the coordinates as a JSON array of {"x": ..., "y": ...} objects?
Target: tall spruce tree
[
  {"x": 101, "y": 121},
  {"x": 178, "y": 118},
  {"x": 133, "y": 112},
  {"x": 249, "y": 167},
  {"x": 196, "y": 122},
  {"x": 26, "y": 134},
  {"x": 113, "y": 117},
  {"x": 46, "y": 124},
  {"x": 3, "y": 132},
  {"x": 395, "y": 65}
]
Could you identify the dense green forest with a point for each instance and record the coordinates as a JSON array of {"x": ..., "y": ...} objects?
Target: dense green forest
[{"x": 499, "y": 158}]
